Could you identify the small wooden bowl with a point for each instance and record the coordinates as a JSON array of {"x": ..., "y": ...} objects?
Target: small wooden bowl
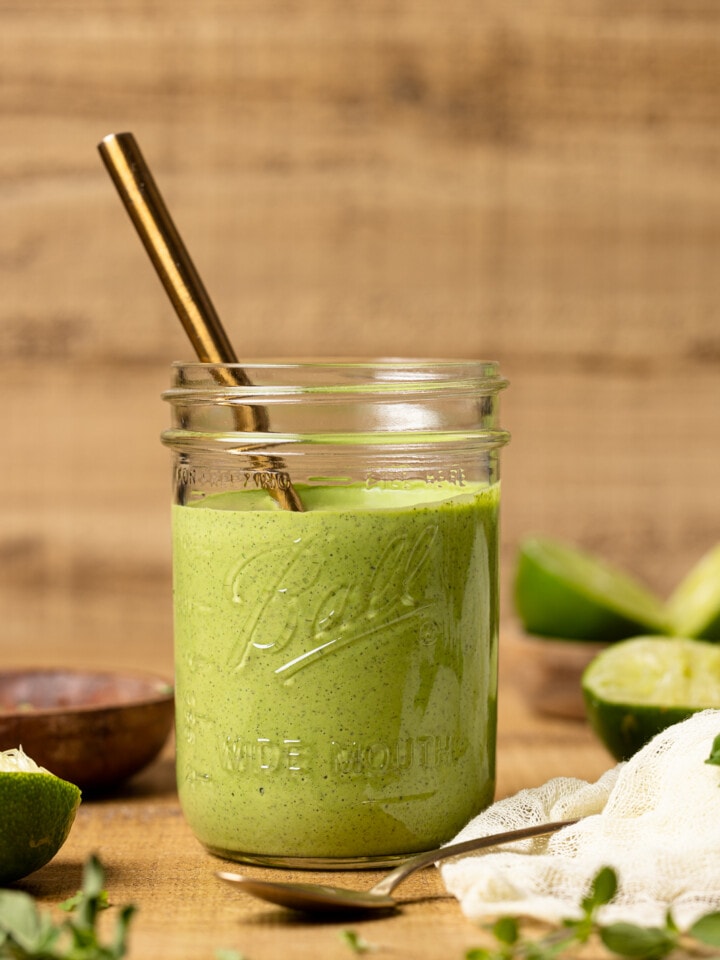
[{"x": 92, "y": 728}]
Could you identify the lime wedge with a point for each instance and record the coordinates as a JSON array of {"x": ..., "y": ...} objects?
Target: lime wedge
[
  {"x": 565, "y": 593},
  {"x": 37, "y": 810},
  {"x": 636, "y": 688},
  {"x": 694, "y": 606}
]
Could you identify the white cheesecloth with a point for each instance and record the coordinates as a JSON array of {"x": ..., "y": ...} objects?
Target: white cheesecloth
[{"x": 655, "y": 819}]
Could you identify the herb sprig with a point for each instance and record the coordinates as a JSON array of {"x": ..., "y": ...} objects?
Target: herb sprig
[
  {"x": 714, "y": 757},
  {"x": 623, "y": 939},
  {"x": 29, "y": 933}
]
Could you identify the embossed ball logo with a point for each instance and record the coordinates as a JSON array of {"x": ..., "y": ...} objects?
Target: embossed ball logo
[{"x": 267, "y": 586}]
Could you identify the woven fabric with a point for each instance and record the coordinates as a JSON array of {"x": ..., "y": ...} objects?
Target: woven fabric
[{"x": 654, "y": 819}]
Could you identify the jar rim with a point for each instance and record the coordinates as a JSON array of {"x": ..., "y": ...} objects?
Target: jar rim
[
  {"x": 348, "y": 363},
  {"x": 335, "y": 376}
]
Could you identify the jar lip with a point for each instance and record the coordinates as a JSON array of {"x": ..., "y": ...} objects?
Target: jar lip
[
  {"x": 336, "y": 376},
  {"x": 442, "y": 364}
]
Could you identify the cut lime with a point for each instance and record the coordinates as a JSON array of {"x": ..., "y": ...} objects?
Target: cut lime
[
  {"x": 694, "y": 606},
  {"x": 636, "y": 688},
  {"x": 562, "y": 592},
  {"x": 37, "y": 810}
]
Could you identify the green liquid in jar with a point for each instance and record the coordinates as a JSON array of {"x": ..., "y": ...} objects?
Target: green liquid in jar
[{"x": 336, "y": 670}]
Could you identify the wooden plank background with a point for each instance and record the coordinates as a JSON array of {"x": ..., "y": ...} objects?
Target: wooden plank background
[{"x": 535, "y": 183}]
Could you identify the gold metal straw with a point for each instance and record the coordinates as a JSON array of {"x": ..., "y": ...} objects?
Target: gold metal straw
[{"x": 146, "y": 207}]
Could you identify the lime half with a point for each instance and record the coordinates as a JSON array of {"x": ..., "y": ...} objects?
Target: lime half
[
  {"x": 37, "y": 810},
  {"x": 563, "y": 592},
  {"x": 694, "y": 606},
  {"x": 636, "y": 688}
]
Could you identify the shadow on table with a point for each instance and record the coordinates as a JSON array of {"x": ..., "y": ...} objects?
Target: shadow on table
[
  {"x": 155, "y": 782},
  {"x": 60, "y": 879}
]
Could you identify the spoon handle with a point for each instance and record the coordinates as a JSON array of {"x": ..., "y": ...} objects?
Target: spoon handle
[{"x": 388, "y": 883}]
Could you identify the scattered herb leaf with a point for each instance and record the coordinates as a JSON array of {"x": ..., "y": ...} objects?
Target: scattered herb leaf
[
  {"x": 715, "y": 752},
  {"x": 506, "y": 930},
  {"x": 623, "y": 939},
  {"x": 27, "y": 933},
  {"x": 707, "y": 929},
  {"x": 631, "y": 940},
  {"x": 603, "y": 889},
  {"x": 356, "y": 942},
  {"x": 72, "y": 903}
]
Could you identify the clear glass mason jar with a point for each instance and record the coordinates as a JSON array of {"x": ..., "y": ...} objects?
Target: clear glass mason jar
[{"x": 335, "y": 567}]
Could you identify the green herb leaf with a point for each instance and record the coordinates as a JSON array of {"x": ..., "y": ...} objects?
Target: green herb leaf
[
  {"x": 92, "y": 894},
  {"x": 544, "y": 949},
  {"x": 356, "y": 942},
  {"x": 19, "y": 919},
  {"x": 707, "y": 929},
  {"x": 506, "y": 930},
  {"x": 604, "y": 887},
  {"x": 72, "y": 903},
  {"x": 715, "y": 752},
  {"x": 630, "y": 940},
  {"x": 27, "y": 933},
  {"x": 670, "y": 924},
  {"x": 228, "y": 955},
  {"x": 623, "y": 939},
  {"x": 118, "y": 946}
]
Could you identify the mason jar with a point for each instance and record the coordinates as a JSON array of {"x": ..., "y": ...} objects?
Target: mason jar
[{"x": 335, "y": 576}]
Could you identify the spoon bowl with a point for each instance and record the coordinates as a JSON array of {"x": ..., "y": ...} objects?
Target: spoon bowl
[
  {"x": 320, "y": 899},
  {"x": 312, "y": 897}
]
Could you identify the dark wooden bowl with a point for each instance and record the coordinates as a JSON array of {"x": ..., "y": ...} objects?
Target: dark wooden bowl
[{"x": 92, "y": 728}]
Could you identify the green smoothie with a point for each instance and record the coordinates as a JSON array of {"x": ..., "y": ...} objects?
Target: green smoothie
[{"x": 336, "y": 670}]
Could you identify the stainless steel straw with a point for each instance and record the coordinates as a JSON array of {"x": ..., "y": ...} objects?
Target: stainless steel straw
[{"x": 146, "y": 207}]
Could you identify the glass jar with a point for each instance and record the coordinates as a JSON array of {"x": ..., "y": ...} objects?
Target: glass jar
[{"x": 335, "y": 568}]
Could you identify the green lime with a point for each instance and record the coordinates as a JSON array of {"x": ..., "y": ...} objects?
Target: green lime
[
  {"x": 37, "y": 810},
  {"x": 636, "y": 688},
  {"x": 563, "y": 592},
  {"x": 694, "y": 606}
]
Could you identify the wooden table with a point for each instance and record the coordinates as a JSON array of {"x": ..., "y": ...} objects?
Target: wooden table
[{"x": 153, "y": 860}]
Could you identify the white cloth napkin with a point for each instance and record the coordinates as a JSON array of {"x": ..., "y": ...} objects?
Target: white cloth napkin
[{"x": 654, "y": 819}]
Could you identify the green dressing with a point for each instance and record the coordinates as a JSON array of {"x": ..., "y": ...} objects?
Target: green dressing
[{"x": 336, "y": 669}]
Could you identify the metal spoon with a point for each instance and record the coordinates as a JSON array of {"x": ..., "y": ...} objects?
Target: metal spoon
[{"x": 320, "y": 899}]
